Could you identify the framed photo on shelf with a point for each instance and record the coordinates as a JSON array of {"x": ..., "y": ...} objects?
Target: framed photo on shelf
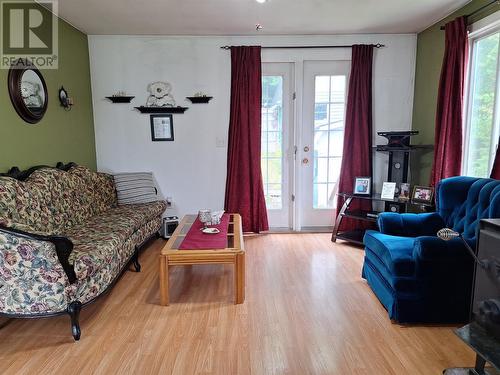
[
  {"x": 363, "y": 186},
  {"x": 422, "y": 194},
  {"x": 404, "y": 191},
  {"x": 388, "y": 190},
  {"x": 162, "y": 127}
]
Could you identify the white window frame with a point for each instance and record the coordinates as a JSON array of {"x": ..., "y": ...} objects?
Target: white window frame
[{"x": 479, "y": 30}]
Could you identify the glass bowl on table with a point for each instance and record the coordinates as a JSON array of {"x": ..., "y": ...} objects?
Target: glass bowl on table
[{"x": 205, "y": 216}]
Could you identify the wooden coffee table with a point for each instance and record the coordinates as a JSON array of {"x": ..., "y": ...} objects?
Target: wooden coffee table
[{"x": 234, "y": 253}]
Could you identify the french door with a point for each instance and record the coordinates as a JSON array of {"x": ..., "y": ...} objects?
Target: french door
[
  {"x": 301, "y": 159},
  {"x": 321, "y": 140},
  {"x": 277, "y": 142}
]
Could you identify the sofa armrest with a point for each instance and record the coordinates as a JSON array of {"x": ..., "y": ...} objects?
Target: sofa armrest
[
  {"x": 63, "y": 247},
  {"x": 410, "y": 225}
]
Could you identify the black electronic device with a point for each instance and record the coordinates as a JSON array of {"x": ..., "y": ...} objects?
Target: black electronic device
[
  {"x": 169, "y": 225},
  {"x": 486, "y": 297}
]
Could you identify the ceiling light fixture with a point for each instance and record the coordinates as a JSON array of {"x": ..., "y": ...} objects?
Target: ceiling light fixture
[{"x": 261, "y": 1}]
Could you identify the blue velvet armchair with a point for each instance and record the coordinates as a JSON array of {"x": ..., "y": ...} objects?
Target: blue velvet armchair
[{"x": 418, "y": 277}]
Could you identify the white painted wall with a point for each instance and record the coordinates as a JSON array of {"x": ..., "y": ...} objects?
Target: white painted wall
[{"x": 192, "y": 169}]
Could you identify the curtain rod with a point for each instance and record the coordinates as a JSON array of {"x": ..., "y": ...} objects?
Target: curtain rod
[
  {"x": 378, "y": 45},
  {"x": 479, "y": 10}
]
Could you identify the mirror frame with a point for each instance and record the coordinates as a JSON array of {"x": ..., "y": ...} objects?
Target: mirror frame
[{"x": 14, "y": 84}]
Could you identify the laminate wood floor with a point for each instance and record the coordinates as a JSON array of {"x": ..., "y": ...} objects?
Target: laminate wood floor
[{"x": 307, "y": 311}]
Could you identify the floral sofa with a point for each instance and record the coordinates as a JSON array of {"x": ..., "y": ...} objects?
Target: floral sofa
[{"x": 64, "y": 240}]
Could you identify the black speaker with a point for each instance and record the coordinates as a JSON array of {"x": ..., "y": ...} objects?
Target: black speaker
[
  {"x": 398, "y": 166},
  {"x": 394, "y": 207},
  {"x": 486, "y": 297},
  {"x": 169, "y": 225}
]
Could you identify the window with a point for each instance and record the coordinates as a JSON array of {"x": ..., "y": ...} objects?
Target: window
[
  {"x": 483, "y": 113},
  {"x": 272, "y": 140},
  {"x": 329, "y": 108}
]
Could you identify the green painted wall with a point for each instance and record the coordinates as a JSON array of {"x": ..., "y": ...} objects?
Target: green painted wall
[
  {"x": 430, "y": 51},
  {"x": 61, "y": 135}
]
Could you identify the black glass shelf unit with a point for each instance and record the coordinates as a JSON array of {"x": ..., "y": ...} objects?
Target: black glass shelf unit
[
  {"x": 356, "y": 236},
  {"x": 352, "y": 236}
]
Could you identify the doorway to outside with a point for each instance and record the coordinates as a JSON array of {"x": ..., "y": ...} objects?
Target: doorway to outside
[{"x": 302, "y": 142}]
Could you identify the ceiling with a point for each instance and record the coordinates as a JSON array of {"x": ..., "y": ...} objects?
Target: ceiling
[{"x": 239, "y": 17}]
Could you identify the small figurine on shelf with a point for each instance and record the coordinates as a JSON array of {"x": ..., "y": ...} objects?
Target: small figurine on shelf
[
  {"x": 119, "y": 94},
  {"x": 160, "y": 95}
]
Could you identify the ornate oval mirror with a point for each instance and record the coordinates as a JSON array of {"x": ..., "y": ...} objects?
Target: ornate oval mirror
[{"x": 28, "y": 91}]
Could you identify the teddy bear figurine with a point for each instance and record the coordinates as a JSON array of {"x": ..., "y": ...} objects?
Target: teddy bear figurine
[
  {"x": 29, "y": 92},
  {"x": 160, "y": 95}
]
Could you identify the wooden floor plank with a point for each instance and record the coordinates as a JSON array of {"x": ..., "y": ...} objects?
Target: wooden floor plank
[{"x": 307, "y": 311}]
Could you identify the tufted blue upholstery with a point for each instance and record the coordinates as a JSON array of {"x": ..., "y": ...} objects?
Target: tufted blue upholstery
[
  {"x": 463, "y": 201},
  {"x": 417, "y": 276}
]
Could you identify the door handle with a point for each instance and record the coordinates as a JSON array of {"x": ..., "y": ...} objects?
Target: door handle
[
  {"x": 306, "y": 149},
  {"x": 305, "y": 161}
]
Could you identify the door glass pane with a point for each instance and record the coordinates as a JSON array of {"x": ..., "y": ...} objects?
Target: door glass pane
[
  {"x": 334, "y": 169},
  {"x": 336, "y": 146},
  {"x": 483, "y": 97},
  {"x": 321, "y": 143},
  {"x": 272, "y": 140},
  {"x": 320, "y": 196},
  {"x": 329, "y": 112},
  {"x": 320, "y": 170}
]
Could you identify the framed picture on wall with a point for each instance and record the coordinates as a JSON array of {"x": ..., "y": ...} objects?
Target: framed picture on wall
[
  {"x": 162, "y": 127},
  {"x": 363, "y": 186}
]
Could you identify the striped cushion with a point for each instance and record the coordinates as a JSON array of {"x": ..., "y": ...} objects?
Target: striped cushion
[{"x": 134, "y": 188}]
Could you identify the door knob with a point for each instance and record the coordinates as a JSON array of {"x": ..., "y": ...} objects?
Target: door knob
[
  {"x": 306, "y": 149},
  {"x": 305, "y": 161}
]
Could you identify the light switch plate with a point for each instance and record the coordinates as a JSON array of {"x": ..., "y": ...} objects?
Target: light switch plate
[{"x": 220, "y": 142}]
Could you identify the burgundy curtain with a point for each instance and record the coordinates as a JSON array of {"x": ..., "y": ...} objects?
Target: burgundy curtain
[
  {"x": 244, "y": 189},
  {"x": 357, "y": 150},
  {"x": 448, "y": 132},
  {"x": 495, "y": 172}
]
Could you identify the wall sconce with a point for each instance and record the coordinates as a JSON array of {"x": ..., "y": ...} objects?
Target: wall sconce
[{"x": 64, "y": 99}]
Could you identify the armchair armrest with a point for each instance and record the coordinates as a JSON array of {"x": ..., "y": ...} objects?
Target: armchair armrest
[
  {"x": 410, "y": 225},
  {"x": 444, "y": 266},
  {"x": 63, "y": 247},
  {"x": 433, "y": 248}
]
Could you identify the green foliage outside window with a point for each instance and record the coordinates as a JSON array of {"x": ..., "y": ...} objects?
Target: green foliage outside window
[{"x": 484, "y": 85}]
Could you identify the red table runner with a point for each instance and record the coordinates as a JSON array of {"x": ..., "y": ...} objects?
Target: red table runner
[{"x": 197, "y": 240}]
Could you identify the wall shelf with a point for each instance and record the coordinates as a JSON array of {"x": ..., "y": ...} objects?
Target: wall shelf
[
  {"x": 199, "y": 99},
  {"x": 120, "y": 99},
  {"x": 144, "y": 109}
]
